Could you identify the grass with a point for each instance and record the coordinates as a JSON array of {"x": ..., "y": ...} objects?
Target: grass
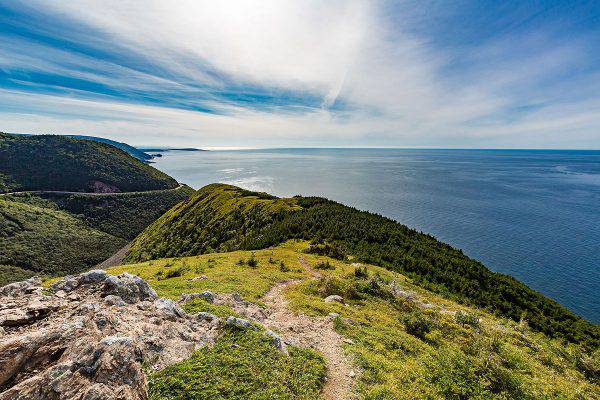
[
  {"x": 409, "y": 352},
  {"x": 215, "y": 218},
  {"x": 224, "y": 273},
  {"x": 242, "y": 365},
  {"x": 440, "y": 351}
]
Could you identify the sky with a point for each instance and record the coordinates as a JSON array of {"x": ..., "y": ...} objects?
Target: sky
[{"x": 276, "y": 73}]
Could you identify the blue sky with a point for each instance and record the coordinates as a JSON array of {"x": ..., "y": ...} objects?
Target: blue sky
[{"x": 493, "y": 74}]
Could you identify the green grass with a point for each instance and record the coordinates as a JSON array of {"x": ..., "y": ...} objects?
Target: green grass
[
  {"x": 215, "y": 218},
  {"x": 242, "y": 365},
  {"x": 225, "y": 218},
  {"x": 403, "y": 351},
  {"x": 223, "y": 272},
  {"x": 49, "y": 241},
  {"x": 407, "y": 352}
]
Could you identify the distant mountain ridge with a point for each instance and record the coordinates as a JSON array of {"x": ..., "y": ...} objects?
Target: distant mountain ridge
[
  {"x": 137, "y": 153},
  {"x": 52, "y": 162}
]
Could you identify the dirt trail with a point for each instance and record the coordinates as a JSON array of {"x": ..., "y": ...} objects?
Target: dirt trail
[
  {"x": 312, "y": 332},
  {"x": 115, "y": 259}
]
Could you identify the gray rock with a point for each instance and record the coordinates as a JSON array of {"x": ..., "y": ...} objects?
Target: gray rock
[
  {"x": 169, "y": 307},
  {"x": 110, "y": 340},
  {"x": 206, "y": 296},
  {"x": 114, "y": 300},
  {"x": 334, "y": 298},
  {"x": 15, "y": 317},
  {"x": 129, "y": 287},
  {"x": 276, "y": 340},
  {"x": 240, "y": 323},
  {"x": 93, "y": 276},
  {"x": 20, "y": 288},
  {"x": 66, "y": 284},
  {"x": 205, "y": 316},
  {"x": 333, "y": 315}
]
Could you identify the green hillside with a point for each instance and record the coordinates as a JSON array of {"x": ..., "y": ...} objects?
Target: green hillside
[
  {"x": 50, "y": 242},
  {"x": 124, "y": 215},
  {"x": 223, "y": 218},
  {"x": 47, "y": 162},
  {"x": 54, "y": 233}
]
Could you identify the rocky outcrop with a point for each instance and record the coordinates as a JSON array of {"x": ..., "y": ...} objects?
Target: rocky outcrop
[{"x": 89, "y": 335}]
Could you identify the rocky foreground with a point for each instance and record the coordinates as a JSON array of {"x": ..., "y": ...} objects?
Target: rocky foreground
[{"x": 90, "y": 337}]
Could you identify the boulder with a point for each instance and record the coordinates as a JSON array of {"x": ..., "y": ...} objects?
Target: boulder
[
  {"x": 170, "y": 308},
  {"x": 240, "y": 323},
  {"x": 206, "y": 296},
  {"x": 20, "y": 288},
  {"x": 205, "y": 316},
  {"x": 130, "y": 288},
  {"x": 334, "y": 298},
  {"x": 77, "y": 347},
  {"x": 276, "y": 340}
]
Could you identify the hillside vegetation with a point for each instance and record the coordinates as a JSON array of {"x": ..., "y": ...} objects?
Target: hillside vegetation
[
  {"x": 56, "y": 234},
  {"x": 223, "y": 218},
  {"x": 404, "y": 341},
  {"x": 49, "y": 242},
  {"x": 47, "y": 162}
]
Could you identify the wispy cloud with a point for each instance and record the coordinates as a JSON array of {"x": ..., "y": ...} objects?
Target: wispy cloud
[{"x": 252, "y": 73}]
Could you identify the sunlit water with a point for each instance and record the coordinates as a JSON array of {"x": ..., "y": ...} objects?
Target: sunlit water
[{"x": 534, "y": 215}]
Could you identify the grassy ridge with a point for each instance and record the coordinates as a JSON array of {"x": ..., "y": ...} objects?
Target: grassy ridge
[
  {"x": 50, "y": 242},
  {"x": 46, "y": 162},
  {"x": 216, "y": 218},
  {"x": 405, "y": 350},
  {"x": 222, "y": 217}
]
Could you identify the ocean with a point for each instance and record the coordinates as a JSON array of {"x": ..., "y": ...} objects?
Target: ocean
[{"x": 531, "y": 214}]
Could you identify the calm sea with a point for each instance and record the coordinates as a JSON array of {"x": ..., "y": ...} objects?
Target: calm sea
[{"x": 534, "y": 215}]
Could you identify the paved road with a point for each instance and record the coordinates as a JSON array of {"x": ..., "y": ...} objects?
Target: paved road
[{"x": 87, "y": 193}]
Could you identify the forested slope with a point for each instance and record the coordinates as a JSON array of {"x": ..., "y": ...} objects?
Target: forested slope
[
  {"x": 222, "y": 217},
  {"x": 48, "y": 162}
]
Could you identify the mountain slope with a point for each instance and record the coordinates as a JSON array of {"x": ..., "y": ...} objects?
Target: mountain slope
[
  {"x": 46, "y": 162},
  {"x": 223, "y": 217},
  {"x": 50, "y": 242}
]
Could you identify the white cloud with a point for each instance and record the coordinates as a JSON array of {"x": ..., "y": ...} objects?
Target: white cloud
[{"x": 396, "y": 87}]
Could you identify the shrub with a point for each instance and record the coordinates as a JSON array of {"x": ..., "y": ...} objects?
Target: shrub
[
  {"x": 335, "y": 250},
  {"x": 330, "y": 285},
  {"x": 240, "y": 262},
  {"x": 283, "y": 267},
  {"x": 466, "y": 319},
  {"x": 590, "y": 366},
  {"x": 252, "y": 261},
  {"x": 324, "y": 265},
  {"x": 360, "y": 271},
  {"x": 417, "y": 324},
  {"x": 174, "y": 273}
]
